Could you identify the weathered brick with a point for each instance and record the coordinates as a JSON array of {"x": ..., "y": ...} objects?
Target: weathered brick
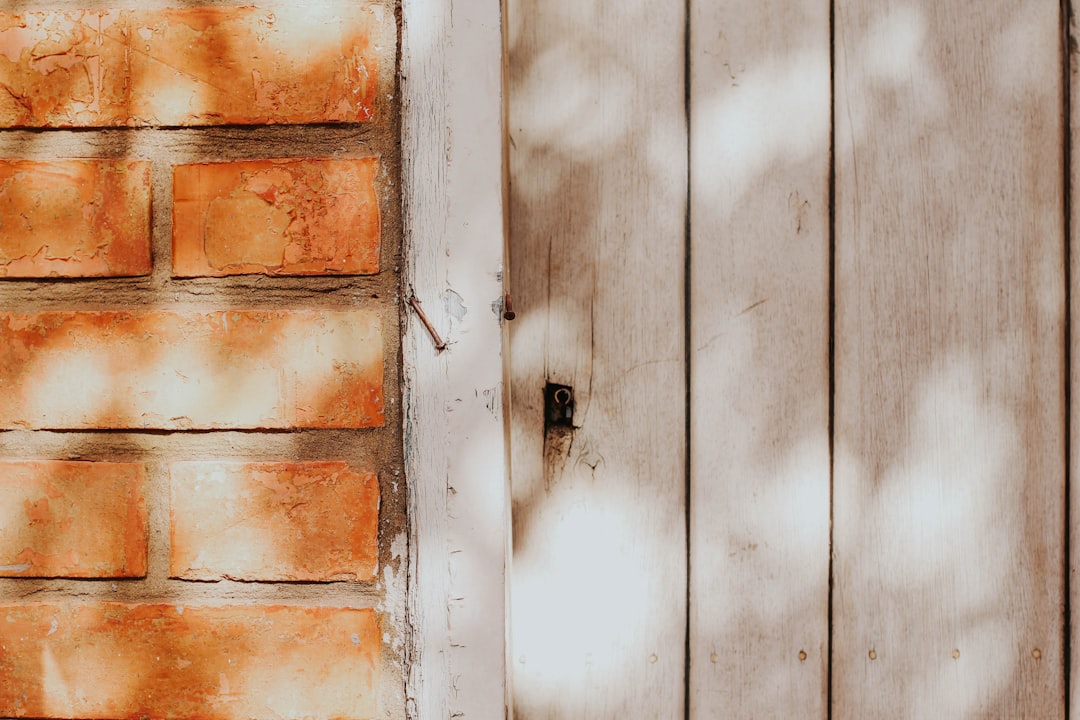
[
  {"x": 273, "y": 521},
  {"x": 74, "y": 218},
  {"x": 72, "y": 519},
  {"x": 188, "y": 66},
  {"x": 111, "y": 660},
  {"x": 191, "y": 369},
  {"x": 279, "y": 217}
]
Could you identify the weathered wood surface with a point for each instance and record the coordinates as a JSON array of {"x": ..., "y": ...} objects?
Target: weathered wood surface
[
  {"x": 1069, "y": 37},
  {"x": 759, "y": 400},
  {"x": 455, "y": 450},
  {"x": 949, "y": 406},
  {"x": 598, "y": 215}
]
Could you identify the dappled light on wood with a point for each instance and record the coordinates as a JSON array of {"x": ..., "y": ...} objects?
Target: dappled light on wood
[
  {"x": 598, "y": 213},
  {"x": 578, "y": 638},
  {"x": 944, "y": 505},
  {"x": 949, "y": 482},
  {"x": 876, "y": 309},
  {"x": 765, "y": 119},
  {"x": 758, "y": 355}
]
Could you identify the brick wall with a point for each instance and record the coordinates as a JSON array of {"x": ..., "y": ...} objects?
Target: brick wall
[{"x": 201, "y": 500}]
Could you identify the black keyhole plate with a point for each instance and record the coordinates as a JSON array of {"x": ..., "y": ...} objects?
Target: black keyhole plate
[{"x": 558, "y": 405}]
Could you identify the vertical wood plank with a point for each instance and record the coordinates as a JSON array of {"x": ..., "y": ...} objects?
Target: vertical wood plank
[
  {"x": 1069, "y": 40},
  {"x": 598, "y": 214},
  {"x": 759, "y": 534},
  {"x": 949, "y": 412},
  {"x": 452, "y": 162}
]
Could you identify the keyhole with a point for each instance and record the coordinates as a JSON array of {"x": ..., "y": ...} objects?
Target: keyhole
[{"x": 558, "y": 405}]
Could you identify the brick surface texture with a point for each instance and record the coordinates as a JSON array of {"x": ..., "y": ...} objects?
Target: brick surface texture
[
  {"x": 279, "y": 217},
  {"x": 74, "y": 218},
  {"x": 72, "y": 519},
  {"x": 273, "y": 521},
  {"x": 221, "y": 369},
  {"x": 187, "y": 66},
  {"x": 199, "y": 359},
  {"x": 112, "y": 660}
]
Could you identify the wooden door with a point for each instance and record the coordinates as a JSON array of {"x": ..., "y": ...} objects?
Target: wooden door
[{"x": 805, "y": 266}]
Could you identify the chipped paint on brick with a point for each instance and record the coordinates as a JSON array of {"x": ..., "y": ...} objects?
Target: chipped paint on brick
[
  {"x": 285, "y": 521},
  {"x": 191, "y": 370},
  {"x": 279, "y": 217},
  {"x": 232, "y": 662},
  {"x": 187, "y": 66},
  {"x": 74, "y": 218},
  {"x": 72, "y": 519}
]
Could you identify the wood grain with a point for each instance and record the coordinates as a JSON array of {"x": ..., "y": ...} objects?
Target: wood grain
[
  {"x": 759, "y": 400},
  {"x": 1069, "y": 39},
  {"x": 949, "y": 413},
  {"x": 454, "y": 423},
  {"x": 598, "y": 214}
]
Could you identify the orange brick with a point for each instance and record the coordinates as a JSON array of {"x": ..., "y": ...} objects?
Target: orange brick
[
  {"x": 74, "y": 218},
  {"x": 188, "y": 66},
  {"x": 273, "y": 521},
  {"x": 111, "y": 660},
  {"x": 72, "y": 519},
  {"x": 191, "y": 370},
  {"x": 279, "y": 217}
]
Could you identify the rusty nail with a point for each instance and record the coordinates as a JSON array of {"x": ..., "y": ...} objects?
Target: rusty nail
[
  {"x": 508, "y": 307},
  {"x": 439, "y": 344}
]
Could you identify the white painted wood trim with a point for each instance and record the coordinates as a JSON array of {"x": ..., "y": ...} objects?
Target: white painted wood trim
[{"x": 455, "y": 447}]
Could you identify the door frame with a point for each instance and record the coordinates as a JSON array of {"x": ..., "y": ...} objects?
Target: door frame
[{"x": 453, "y": 196}]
